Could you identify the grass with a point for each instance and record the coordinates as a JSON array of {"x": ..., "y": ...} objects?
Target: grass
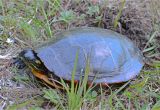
[
  {"x": 76, "y": 94},
  {"x": 119, "y": 14},
  {"x": 34, "y": 22}
]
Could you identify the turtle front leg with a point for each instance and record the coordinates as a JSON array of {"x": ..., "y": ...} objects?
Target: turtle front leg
[{"x": 45, "y": 78}]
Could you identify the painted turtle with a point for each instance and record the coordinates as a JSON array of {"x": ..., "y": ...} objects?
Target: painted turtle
[{"x": 113, "y": 57}]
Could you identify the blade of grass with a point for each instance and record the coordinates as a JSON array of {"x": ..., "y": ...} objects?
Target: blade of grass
[
  {"x": 115, "y": 93},
  {"x": 74, "y": 72},
  {"x": 119, "y": 14},
  {"x": 47, "y": 21},
  {"x": 150, "y": 40},
  {"x": 87, "y": 70},
  {"x": 149, "y": 49},
  {"x": 2, "y": 5},
  {"x": 120, "y": 103}
]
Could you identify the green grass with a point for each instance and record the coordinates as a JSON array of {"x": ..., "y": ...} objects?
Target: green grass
[
  {"x": 116, "y": 21},
  {"x": 76, "y": 94},
  {"x": 34, "y": 22}
]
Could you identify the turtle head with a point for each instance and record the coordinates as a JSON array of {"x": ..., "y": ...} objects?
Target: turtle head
[{"x": 30, "y": 58}]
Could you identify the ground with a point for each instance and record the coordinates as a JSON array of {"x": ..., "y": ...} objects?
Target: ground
[{"x": 31, "y": 23}]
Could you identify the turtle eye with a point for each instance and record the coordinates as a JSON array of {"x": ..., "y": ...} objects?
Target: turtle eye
[{"x": 37, "y": 62}]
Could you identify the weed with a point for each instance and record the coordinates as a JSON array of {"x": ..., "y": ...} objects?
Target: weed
[
  {"x": 67, "y": 16},
  {"x": 93, "y": 10}
]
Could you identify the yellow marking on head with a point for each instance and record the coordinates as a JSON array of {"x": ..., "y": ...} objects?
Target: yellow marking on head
[{"x": 38, "y": 62}]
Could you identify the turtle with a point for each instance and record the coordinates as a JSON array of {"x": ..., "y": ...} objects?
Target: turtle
[{"x": 113, "y": 58}]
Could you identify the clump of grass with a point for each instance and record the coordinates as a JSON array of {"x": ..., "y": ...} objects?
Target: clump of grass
[
  {"x": 93, "y": 10},
  {"x": 54, "y": 97},
  {"x": 76, "y": 94}
]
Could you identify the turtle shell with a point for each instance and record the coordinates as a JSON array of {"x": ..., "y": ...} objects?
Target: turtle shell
[{"x": 113, "y": 57}]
